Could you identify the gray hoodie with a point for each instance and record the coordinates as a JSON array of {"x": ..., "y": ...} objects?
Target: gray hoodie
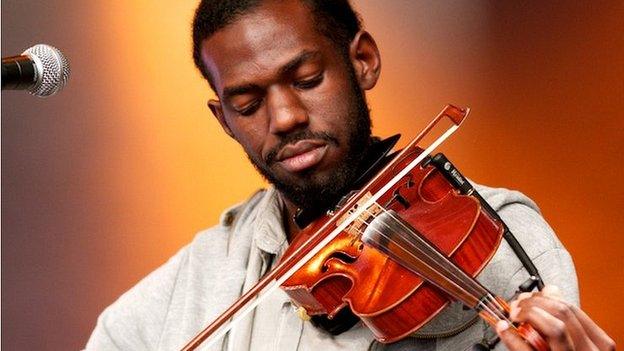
[{"x": 173, "y": 303}]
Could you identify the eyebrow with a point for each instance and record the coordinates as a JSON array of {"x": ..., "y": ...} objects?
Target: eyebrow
[
  {"x": 286, "y": 69},
  {"x": 293, "y": 64},
  {"x": 239, "y": 90}
]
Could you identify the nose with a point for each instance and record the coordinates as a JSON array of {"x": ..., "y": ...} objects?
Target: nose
[{"x": 286, "y": 111}]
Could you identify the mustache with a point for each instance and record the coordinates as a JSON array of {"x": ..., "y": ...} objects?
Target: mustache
[{"x": 298, "y": 136}]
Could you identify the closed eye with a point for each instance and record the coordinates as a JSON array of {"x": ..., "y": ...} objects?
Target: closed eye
[
  {"x": 250, "y": 109},
  {"x": 309, "y": 83}
]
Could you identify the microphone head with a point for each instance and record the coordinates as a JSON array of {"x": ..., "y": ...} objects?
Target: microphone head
[{"x": 52, "y": 70}]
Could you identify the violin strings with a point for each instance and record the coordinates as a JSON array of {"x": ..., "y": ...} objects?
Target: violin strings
[
  {"x": 451, "y": 271},
  {"x": 483, "y": 296},
  {"x": 459, "y": 287},
  {"x": 480, "y": 296},
  {"x": 484, "y": 300},
  {"x": 494, "y": 311}
]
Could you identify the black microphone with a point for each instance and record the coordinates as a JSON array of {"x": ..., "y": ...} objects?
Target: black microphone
[{"x": 41, "y": 69}]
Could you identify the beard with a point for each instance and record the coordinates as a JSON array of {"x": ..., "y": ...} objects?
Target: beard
[{"x": 312, "y": 191}]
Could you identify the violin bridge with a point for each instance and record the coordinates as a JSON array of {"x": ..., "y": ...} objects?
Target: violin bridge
[{"x": 359, "y": 224}]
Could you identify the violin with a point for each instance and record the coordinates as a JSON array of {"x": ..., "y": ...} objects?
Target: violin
[{"x": 394, "y": 253}]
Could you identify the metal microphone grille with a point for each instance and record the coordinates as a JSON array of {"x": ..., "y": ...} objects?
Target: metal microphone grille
[{"x": 52, "y": 69}]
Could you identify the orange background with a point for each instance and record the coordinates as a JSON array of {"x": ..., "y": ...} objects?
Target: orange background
[{"x": 103, "y": 182}]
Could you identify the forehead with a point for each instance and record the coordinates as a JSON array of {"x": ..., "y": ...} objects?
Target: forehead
[{"x": 259, "y": 42}]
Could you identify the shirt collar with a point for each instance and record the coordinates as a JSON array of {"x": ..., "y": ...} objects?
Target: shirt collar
[{"x": 268, "y": 225}]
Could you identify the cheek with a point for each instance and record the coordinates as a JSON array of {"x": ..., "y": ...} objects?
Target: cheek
[
  {"x": 250, "y": 134},
  {"x": 329, "y": 107}
]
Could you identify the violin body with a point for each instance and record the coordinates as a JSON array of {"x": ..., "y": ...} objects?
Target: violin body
[
  {"x": 391, "y": 300},
  {"x": 395, "y": 252}
]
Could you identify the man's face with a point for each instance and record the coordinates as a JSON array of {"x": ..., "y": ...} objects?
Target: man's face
[{"x": 291, "y": 99}]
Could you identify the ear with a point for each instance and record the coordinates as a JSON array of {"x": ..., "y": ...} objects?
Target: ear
[
  {"x": 366, "y": 60},
  {"x": 217, "y": 111}
]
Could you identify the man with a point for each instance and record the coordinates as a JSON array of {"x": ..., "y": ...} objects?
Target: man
[{"x": 290, "y": 77}]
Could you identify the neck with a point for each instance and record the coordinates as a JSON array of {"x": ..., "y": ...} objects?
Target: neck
[{"x": 291, "y": 228}]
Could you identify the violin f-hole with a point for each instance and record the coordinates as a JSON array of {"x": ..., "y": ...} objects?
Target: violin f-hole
[{"x": 397, "y": 197}]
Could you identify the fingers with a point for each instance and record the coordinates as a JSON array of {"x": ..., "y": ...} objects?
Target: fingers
[
  {"x": 555, "y": 320},
  {"x": 552, "y": 291},
  {"x": 552, "y": 329},
  {"x": 510, "y": 338},
  {"x": 565, "y": 327},
  {"x": 597, "y": 335}
]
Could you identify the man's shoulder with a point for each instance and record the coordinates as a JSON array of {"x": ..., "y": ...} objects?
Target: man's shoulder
[
  {"x": 208, "y": 245},
  {"x": 499, "y": 197},
  {"x": 524, "y": 219},
  {"x": 140, "y": 314}
]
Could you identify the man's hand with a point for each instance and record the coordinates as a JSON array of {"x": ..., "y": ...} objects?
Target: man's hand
[{"x": 565, "y": 327}]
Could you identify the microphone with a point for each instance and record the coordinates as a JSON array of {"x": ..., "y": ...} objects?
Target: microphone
[{"x": 41, "y": 69}]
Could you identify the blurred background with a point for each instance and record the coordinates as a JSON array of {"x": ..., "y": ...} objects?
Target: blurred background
[{"x": 106, "y": 180}]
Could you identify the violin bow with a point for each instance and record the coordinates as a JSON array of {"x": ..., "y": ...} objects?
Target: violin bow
[{"x": 287, "y": 267}]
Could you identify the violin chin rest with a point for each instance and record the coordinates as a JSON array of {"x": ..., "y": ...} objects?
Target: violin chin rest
[{"x": 342, "y": 321}]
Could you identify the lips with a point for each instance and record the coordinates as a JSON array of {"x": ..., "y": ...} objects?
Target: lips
[{"x": 301, "y": 155}]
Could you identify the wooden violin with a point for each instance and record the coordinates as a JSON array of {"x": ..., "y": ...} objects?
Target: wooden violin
[{"x": 395, "y": 253}]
